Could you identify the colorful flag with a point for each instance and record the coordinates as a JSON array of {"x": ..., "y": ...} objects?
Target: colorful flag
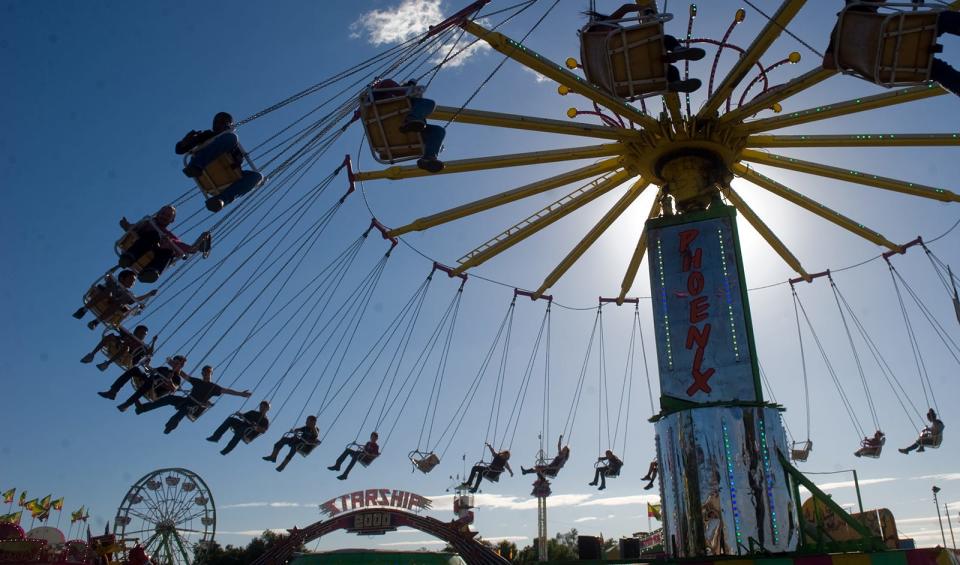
[
  {"x": 23, "y": 498},
  {"x": 45, "y": 503},
  {"x": 77, "y": 515},
  {"x": 34, "y": 507},
  {"x": 653, "y": 510},
  {"x": 57, "y": 504},
  {"x": 13, "y": 518},
  {"x": 8, "y": 496}
]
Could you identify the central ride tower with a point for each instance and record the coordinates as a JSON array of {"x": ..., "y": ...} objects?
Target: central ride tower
[{"x": 723, "y": 487}]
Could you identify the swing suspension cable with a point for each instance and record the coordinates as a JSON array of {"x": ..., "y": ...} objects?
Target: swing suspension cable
[
  {"x": 646, "y": 366},
  {"x": 493, "y": 421},
  {"x": 417, "y": 370},
  {"x": 460, "y": 413},
  {"x": 769, "y": 389},
  {"x": 856, "y": 355},
  {"x": 578, "y": 391},
  {"x": 938, "y": 329},
  {"x": 626, "y": 388},
  {"x": 545, "y": 423},
  {"x": 320, "y": 290},
  {"x": 342, "y": 320},
  {"x": 441, "y": 372},
  {"x": 947, "y": 278},
  {"x": 396, "y": 360},
  {"x": 803, "y": 361},
  {"x": 513, "y": 421},
  {"x": 848, "y": 406},
  {"x": 899, "y": 391},
  {"x": 603, "y": 390}
]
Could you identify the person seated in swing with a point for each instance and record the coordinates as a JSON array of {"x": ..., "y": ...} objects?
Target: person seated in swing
[
  {"x": 612, "y": 468},
  {"x": 306, "y": 436},
  {"x": 651, "y": 475},
  {"x": 246, "y": 426},
  {"x": 948, "y": 21},
  {"x": 416, "y": 121},
  {"x": 492, "y": 471},
  {"x": 122, "y": 346},
  {"x": 207, "y": 146},
  {"x": 161, "y": 381},
  {"x": 870, "y": 445},
  {"x": 113, "y": 297},
  {"x": 930, "y": 435},
  {"x": 647, "y": 11},
  {"x": 366, "y": 454},
  {"x": 201, "y": 391},
  {"x": 153, "y": 234},
  {"x": 553, "y": 467}
]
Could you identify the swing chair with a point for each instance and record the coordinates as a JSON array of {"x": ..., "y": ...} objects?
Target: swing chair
[
  {"x": 892, "y": 47},
  {"x": 101, "y": 301},
  {"x": 132, "y": 235},
  {"x": 363, "y": 457},
  {"x": 197, "y": 408},
  {"x": 223, "y": 171},
  {"x": 160, "y": 388},
  {"x": 251, "y": 432},
  {"x": 123, "y": 349},
  {"x": 383, "y": 111},
  {"x": 800, "y": 450},
  {"x": 629, "y": 62},
  {"x": 304, "y": 445},
  {"x": 872, "y": 448},
  {"x": 423, "y": 461}
]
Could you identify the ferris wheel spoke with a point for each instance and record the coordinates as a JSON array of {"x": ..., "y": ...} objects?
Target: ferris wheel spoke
[
  {"x": 508, "y": 196},
  {"x": 180, "y": 547},
  {"x": 827, "y": 111},
  {"x": 498, "y": 162},
  {"x": 541, "y": 219},
  {"x": 856, "y": 140},
  {"x": 638, "y": 252},
  {"x": 595, "y": 232},
  {"x": 765, "y": 232},
  {"x": 553, "y": 71},
  {"x": 849, "y": 175},
  {"x": 777, "y": 94},
  {"x": 813, "y": 206},
  {"x": 190, "y": 517},
  {"x": 530, "y": 123},
  {"x": 768, "y": 35},
  {"x": 142, "y": 516}
]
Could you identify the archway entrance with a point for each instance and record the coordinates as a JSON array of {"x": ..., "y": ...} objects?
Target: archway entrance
[{"x": 380, "y": 520}]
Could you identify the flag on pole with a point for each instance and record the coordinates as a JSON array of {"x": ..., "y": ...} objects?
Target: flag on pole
[
  {"x": 34, "y": 507},
  {"x": 46, "y": 501},
  {"x": 57, "y": 504},
  {"x": 653, "y": 510},
  {"x": 77, "y": 515},
  {"x": 8, "y": 496},
  {"x": 13, "y": 518},
  {"x": 23, "y": 498}
]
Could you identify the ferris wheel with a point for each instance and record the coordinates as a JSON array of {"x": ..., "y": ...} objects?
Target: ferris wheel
[{"x": 170, "y": 512}]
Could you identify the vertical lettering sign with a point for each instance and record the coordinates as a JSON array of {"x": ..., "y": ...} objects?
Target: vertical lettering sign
[{"x": 702, "y": 342}]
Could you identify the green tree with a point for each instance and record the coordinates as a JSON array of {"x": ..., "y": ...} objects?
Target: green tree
[{"x": 214, "y": 554}]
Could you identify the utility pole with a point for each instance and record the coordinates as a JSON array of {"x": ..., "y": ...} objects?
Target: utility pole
[
  {"x": 936, "y": 503},
  {"x": 953, "y": 540}
]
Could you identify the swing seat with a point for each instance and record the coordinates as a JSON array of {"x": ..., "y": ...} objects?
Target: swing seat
[
  {"x": 628, "y": 62},
  {"x": 366, "y": 459},
  {"x": 102, "y": 304},
  {"x": 306, "y": 447},
  {"x": 197, "y": 409},
  {"x": 612, "y": 472},
  {"x": 800, "y": 450},
  {"x": 424, "y": 462},
  {"x": 159, "y": 389},
  {"x": 131, "y": 236},
  {"x": 221, "y": 172},
  {"x": 890, "y": 48},
  {"x": 872, "y": 451},
  {"x": 251, "y": 432},
  {"x": 123, "y": 353},
  {"x": 493, "y": 475},
  {"x": 932, "y": 441},
  {"x": 383, "y": 111}
]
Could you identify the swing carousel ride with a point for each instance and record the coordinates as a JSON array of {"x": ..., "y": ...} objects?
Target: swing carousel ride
[{"x": 261, "y": 310}]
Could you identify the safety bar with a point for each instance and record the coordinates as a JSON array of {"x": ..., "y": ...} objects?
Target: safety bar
[
  {"x": 619, "y": 301},
  {"x": 903, "y": 248},
  {"x": 532, "y": 295},
  {"x": 809, "y": 278},
  {"x": 375, "y": 223},
  {"x": 449, "y": 271},
  {"x": 455, "y": 19}
]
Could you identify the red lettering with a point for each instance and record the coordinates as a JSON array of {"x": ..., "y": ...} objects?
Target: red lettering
[
  {"x": 371, "y": 498},
  {"x": 700, "y": 337},
  {"x": 356, "y": 499},
  {"x": 698, "y": 309},
  {"x": 695, "y": 283},
  {"x": 692, "y": 260},
  {"x": 343, "y": 501},
  {"x": 384, "y": 501},
  {"x": 686, "y": 238},
  {"x": 700, "y": 378},
  {"x": 396, "y": 498},
  {"x": 330, "y": 507}
]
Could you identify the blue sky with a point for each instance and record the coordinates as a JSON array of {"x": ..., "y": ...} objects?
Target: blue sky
[{"x": 95, "y": 97}]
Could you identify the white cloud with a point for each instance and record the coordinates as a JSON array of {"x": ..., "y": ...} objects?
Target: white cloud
[
  {"x": 537, "y": 76},
  {"x": 409, "y": 19},
  {"x": 412, "y": 543},
  {"x": 270, "y": 505},
  {"x": 253, "y": 533},
  {"x": 916, "y": 520},
  {"x": 585, "y": 519},
  {"x": 850, "y": 484},
  {"x": 495, "y": 539},
  {"x": 940, "y": 477},
  {"x": 622, "y": 500}
]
